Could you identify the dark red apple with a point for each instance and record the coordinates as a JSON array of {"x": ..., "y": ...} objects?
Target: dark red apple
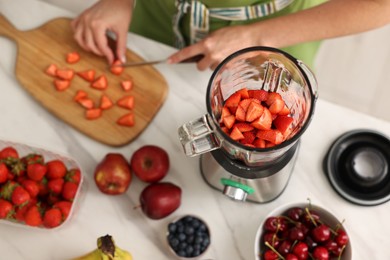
[
  {"x": 150, "y": 163},
  {"x": 112, "y": 174},
  {"x": 160, "y": 199}
]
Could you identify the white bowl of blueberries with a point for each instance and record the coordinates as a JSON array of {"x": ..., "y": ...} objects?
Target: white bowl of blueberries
[
  {"x": 302, "y": 231},
  {"x": 188, "y": 237}
]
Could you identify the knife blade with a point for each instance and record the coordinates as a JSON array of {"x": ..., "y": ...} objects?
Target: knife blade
[{"x": 142, "y": 63}]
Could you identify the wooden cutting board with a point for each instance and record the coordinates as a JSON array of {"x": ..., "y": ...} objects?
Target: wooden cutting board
[{"x": 49, "y": 44}]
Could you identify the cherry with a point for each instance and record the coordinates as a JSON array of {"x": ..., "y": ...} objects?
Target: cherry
[
  {"x": 331, "y": 245},
  {"x": 320, "y": 253},
  {"x": 311, "y": 243},
  {"x": 274, "y": 224},
  {"x": 301, "y": 250},
  {"x": 291, "y": 257},
  {"x": 295, "y": 213},
  {"x": 271, "y": 224},
  {"x": 321, "y": 233},
  {"x": 296, "y": 233},
  {"x": 310, "y": 218},
  {"x": 341, "y": 238},
  {"x": 271, "y": 238},
  {"x": 284, "y": 247},
  {"x": 270, "y": 255}
]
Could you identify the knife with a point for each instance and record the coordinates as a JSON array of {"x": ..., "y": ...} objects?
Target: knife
[{"x": 142, "y": 63}]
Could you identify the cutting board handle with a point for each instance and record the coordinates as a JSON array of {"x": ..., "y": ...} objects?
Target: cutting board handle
[{"x": 7, "y": 29}]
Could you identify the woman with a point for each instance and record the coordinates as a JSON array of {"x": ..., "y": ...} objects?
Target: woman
[{"x": 216, "y": 29}]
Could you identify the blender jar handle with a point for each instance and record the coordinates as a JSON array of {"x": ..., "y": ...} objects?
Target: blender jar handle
[{"x": 198, "y": 137}]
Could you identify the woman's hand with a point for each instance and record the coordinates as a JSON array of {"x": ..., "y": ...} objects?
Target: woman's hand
[
  {"x": 91, "y": 26},
  {"x": 218, "y": 45}
]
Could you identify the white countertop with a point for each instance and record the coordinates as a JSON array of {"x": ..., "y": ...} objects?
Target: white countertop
[{"x": 233, "y": 224}]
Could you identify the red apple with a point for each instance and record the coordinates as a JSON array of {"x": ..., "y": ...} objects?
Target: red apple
[
  {"x": 160, "y": 199},
  {"x": 150, "y": 163},
  {"x": 112, "y": 174}
]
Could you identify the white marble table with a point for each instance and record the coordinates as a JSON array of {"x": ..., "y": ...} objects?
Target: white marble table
[{"x": 233, "y": 225}]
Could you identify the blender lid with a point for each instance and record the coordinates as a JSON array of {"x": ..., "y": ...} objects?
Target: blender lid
[{"x": 357, "y": 166}]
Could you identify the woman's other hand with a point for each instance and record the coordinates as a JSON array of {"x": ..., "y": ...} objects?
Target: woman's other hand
[{"x": 91, "y": 26}]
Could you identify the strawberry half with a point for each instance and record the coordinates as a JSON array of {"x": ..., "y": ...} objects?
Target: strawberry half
[
  {"x": 88, "y": 75},
  {"x": 126, "y": 102},
  {"x": 100, "y": 83},
  {"x": 126, "y": 120},
  {"x": 72, "y": 57}
]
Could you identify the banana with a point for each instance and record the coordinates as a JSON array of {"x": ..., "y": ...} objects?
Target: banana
[{"x": 106, "y": 250}]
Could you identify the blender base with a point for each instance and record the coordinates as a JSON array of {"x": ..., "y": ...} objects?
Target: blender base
[{"x": 265, "y": 189}]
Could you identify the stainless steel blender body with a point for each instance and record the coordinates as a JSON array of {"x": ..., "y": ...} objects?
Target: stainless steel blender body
[{"x": 253, "y": 68}]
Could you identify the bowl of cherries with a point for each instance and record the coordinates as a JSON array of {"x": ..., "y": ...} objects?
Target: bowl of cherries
[{"x": 299, "y": 231}]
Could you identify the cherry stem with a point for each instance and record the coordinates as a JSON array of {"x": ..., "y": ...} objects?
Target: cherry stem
[
  {"x": 274, "y": 250},
  {"x": 341, "y": 252},
  {"x": 310, "y": 216}
]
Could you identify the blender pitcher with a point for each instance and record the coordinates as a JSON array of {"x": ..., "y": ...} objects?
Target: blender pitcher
[{"x": 240, "y": 171}]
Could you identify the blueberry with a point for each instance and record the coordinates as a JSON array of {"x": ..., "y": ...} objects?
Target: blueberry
[
  {"x": 180, "y": 228},
  {"x": 202, "y": 227},
  {"x": 190, "y": 239},
  {"x": 196, "y": 252},
  {"x": 182, "y": 253},
  {"x": 188, "y": 219},
  {"x": 174, "y": 242},
  {"x": 195, "y": 223},
  {"x": 172, "y": 227},
  {"x": 182, "y": 237},
  {"x": 189, "y": 230},
  {"x": 183, "y": 245},
  {"x": 206, "y": 241},
  {"x": 189, "y": 250},
  {"x": 198, "y": 240}
]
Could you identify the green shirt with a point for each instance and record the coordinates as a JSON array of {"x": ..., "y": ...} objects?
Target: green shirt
[{"x": 153, "y": 19}]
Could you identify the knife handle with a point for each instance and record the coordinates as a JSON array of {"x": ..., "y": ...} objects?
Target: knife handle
[{"x": 195, "y": 58}]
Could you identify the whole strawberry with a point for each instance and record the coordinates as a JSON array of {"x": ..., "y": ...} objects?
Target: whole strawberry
[
  {"x": 20, "y": 196},
  {"x": 8, "y": 152},
  {"x": 6, "y": 209},
  {"x": 55, "y": 169},
  {"x": 55, "y": 185},
  {"x": 73, "y": 175},
  {"x": 52, "y": 218},
  {"x": 69, "y": 190},
  {"x": 64, "y": 206},
  {"x": 36, "y": 171},
  {"x": 32, "y": 187},
  {"x": 33, "y": 216},
  {"x": 33, "y": 158},
  {"x": 4, "y": 172}
]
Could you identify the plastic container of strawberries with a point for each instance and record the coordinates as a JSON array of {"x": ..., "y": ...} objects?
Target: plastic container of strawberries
[{"x": 45, "y": 200}]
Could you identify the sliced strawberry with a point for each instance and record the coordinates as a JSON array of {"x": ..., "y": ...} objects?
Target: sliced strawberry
[
  {"x": 116, "y": 68},
  {"x": 240, "y": 113},
  {"x": 126, "y": 120},
  {"x": 225, "y": 112},
  {"x": 100, "y": 83},
  {"x": 105, "y": 102},
  {"x": 52, "y": 70},
  {"x": 246, "y": 102},
  {"x": 259, "y": 143},
  {"x": 258, "y": 94},
  {"x": 244, "y": 127},
  {"x": 273, "y": 136},
  {"x": 66, "y": 74},
  {"x": 225, "y": 130},
  {"x": 93, "y": 113},
  {"x": 86, "y": 102},
  {"x": 236, "y": 134},
  {"x": 276, "y": 106},
  {"x": 127, "y": 85},
  {"x": 126, "y": 102},
  {"x": 283, "y": 123},
  {"x": 285, "y": 111},
  {"x": 79, "y": 95},
  {"x": 88, "y": 75},
  {"x": 264, "y": 122},
  {"x": 243, "y": 92},
  {"x": 72, "y": 57},
  {"x": 232, "y": 101},
  {"x": 254, "y": 111},
  {"x": 61, "y": 84},
  {"x": 228, "y": 121},
  {"x": 249, "y": 137}
]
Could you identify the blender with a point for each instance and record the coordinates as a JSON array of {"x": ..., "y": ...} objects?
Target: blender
[{"x": 241, "y": 172}]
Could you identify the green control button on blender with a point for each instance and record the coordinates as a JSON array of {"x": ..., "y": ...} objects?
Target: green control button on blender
[{"x": 229, "y": 182}]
